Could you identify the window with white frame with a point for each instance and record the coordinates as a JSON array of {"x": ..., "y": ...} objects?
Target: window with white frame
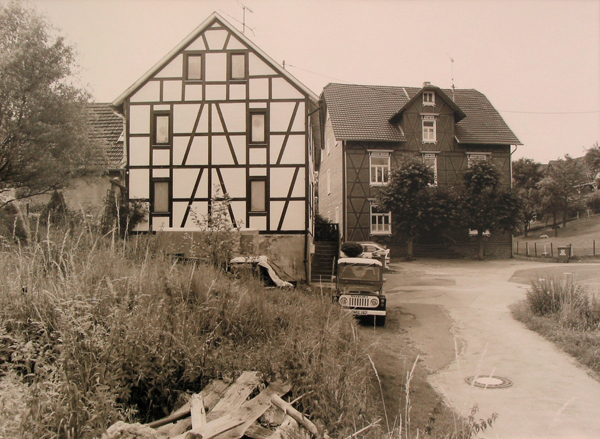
[
  {"x": 430, "y": 160},
  {"x": 473, "y": 158},
  {"x": 379, "y": 163},
  {"x": 429, "y": 98},
  {"x": 381, "y": 221},
  {"x": 429, "y": 129}
]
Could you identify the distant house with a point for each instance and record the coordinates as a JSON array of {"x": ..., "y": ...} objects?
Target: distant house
[
  {"x": 89, "y": 194},
  {"x": 369, "y": 130},
  {"x": 218, "y": 116}
]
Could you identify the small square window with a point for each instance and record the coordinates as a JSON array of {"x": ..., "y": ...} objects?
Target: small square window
[
  {"x": 474, "y": 158},
  {"x": 257, "y": 127},
  {"x": 258, "y": 196},
  {"x": 162, "y": 129},
  {"x": 428, "y": 98},
  {"x": 160, "y": 197},
  {"x": 193, "y": 70},
  {"x": 381, "y": 221},
  {"x": 237, "y": 68}
]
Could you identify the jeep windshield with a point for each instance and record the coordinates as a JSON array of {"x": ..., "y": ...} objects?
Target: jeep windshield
[{"x": 358, "y": 272}]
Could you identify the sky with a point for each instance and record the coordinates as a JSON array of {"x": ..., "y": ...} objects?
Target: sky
[{"x": 537, "y": 61}]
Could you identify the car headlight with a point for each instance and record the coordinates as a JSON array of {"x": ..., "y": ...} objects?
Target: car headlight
[
  {"x": 374, "y": 301},
  {"x": 343, "y": 301}
]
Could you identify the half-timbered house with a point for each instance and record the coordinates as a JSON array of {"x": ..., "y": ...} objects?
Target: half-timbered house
[
  {"x": 218, "y": 116},
  {"x": 369, "y": 130}
]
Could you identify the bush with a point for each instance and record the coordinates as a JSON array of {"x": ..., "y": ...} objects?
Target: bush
[
  {"x": 574, "y": 306},
  {"x": 352, "y": 249},
  {"x": 325, "y": 230},
  {"x": 10, "y": 227}
]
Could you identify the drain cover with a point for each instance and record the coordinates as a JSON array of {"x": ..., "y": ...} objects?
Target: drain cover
[{"x": 489, "y": 382}]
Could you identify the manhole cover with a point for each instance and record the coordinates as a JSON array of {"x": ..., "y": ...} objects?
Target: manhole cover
[{"x": 489, "y": 382}]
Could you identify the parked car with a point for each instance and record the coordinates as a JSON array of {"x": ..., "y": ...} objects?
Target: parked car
[
  {"x": 359, "y": 288},
  {"x": 374, "y": 250},
  {"x": 267, "y": 271}
]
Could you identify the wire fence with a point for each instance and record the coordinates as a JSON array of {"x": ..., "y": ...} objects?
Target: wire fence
[{"x": 550, "y": 249}]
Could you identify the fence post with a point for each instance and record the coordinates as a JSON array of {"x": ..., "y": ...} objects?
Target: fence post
[
  {"x": 517, "y": 247},
  {"x": 527, "y": 249},
  {"x": 594, "y": 246},
  {"x": 535, "y": 248},
  {"x": 551, "y": 251}
]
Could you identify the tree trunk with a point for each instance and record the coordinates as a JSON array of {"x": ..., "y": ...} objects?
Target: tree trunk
[
  {"x": 480, "y": 241},
  {"x": 565, "y": 213}
]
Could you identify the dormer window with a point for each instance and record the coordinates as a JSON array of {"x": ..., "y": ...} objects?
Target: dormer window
[{"x": 429, "y": 98}]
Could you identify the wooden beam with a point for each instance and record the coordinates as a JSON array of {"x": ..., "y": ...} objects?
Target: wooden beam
[{"x": 296, "y": 415}]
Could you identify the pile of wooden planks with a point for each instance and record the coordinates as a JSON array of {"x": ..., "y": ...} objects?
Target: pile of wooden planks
[{"x": 223, "y": 411}]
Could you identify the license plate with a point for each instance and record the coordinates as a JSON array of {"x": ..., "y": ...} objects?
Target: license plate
[{"x": 359, "y": 312}]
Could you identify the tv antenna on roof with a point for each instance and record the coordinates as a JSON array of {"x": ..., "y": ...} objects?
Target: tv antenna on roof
[
  {"x": 244, "y": 7},
  {"x": 452, "y": 73}
]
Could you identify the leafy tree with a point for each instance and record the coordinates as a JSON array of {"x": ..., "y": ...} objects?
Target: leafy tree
[
  {"x": 415, "y": 204},
  {"x": 44, "y": 138},
  {"x": 527, "y": 174},
  {"x": 559, "y": 187},
  {"x": 592, "y": 160},
  {"x": 485, "y": 205}
]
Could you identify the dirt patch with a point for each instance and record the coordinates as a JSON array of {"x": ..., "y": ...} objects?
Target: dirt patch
[{"x": 394, "y": 353}]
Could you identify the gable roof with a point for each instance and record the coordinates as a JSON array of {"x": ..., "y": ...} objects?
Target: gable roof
[
  {"x": 458, "y": 113},
  {"x": 363, "y": 112},
  {"x": 107, "y": 128},
  {"x": 210, "y": 21}
]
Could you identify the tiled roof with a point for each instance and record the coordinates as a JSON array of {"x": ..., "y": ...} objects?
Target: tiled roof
[
  {"x": 362, "y": 112},
  {"x": 107, "y": 127}
]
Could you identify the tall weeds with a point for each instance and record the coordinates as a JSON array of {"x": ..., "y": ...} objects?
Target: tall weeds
[
  {"x": 100, "y": 330},
  {"x": 573, "y": 305}
]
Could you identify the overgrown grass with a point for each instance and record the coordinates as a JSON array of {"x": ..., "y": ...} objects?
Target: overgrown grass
[
  {"x": 566, "y": 313},
  {"x": 99, "y": 330}
]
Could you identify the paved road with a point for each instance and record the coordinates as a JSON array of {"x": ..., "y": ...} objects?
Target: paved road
[{"x": 551, "y": 396}]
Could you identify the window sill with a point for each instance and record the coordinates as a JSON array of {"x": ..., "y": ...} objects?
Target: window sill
[
  {"x": 378, "y": 184},
  {"x": 381, "y": 233}
]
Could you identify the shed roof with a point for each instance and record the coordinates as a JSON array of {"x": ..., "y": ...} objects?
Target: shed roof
[
  {"x": 363, "y": 112},
  {"x": 107, "y": 127}
]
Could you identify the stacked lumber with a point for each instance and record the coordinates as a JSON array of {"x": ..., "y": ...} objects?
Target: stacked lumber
[{"x": 226, "y": 411}]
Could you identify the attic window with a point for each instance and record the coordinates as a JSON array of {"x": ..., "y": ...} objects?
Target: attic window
[
  {"x": 193, "y": 67},
  {"x": 237, "y": 66},
  {"x": 429, "y": 98}
]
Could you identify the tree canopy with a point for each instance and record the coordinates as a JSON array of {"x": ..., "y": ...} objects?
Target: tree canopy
[
  {"x": 559, "y": 189},
  {"x": 527, "y": 175},
  {"x": 44, "y": 139},
  {"x": 592, "y": 160},
  {"x": 416, "y": 205},
  {"x": 485, "y": 205}
]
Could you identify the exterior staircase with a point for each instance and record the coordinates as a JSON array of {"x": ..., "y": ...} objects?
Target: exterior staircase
[
  {"x": 438, "y": 251},
  {"x": 324, "y": 260}
]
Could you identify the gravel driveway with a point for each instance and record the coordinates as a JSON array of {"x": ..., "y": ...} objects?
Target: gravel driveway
[{"x": 550, "y": 397}]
